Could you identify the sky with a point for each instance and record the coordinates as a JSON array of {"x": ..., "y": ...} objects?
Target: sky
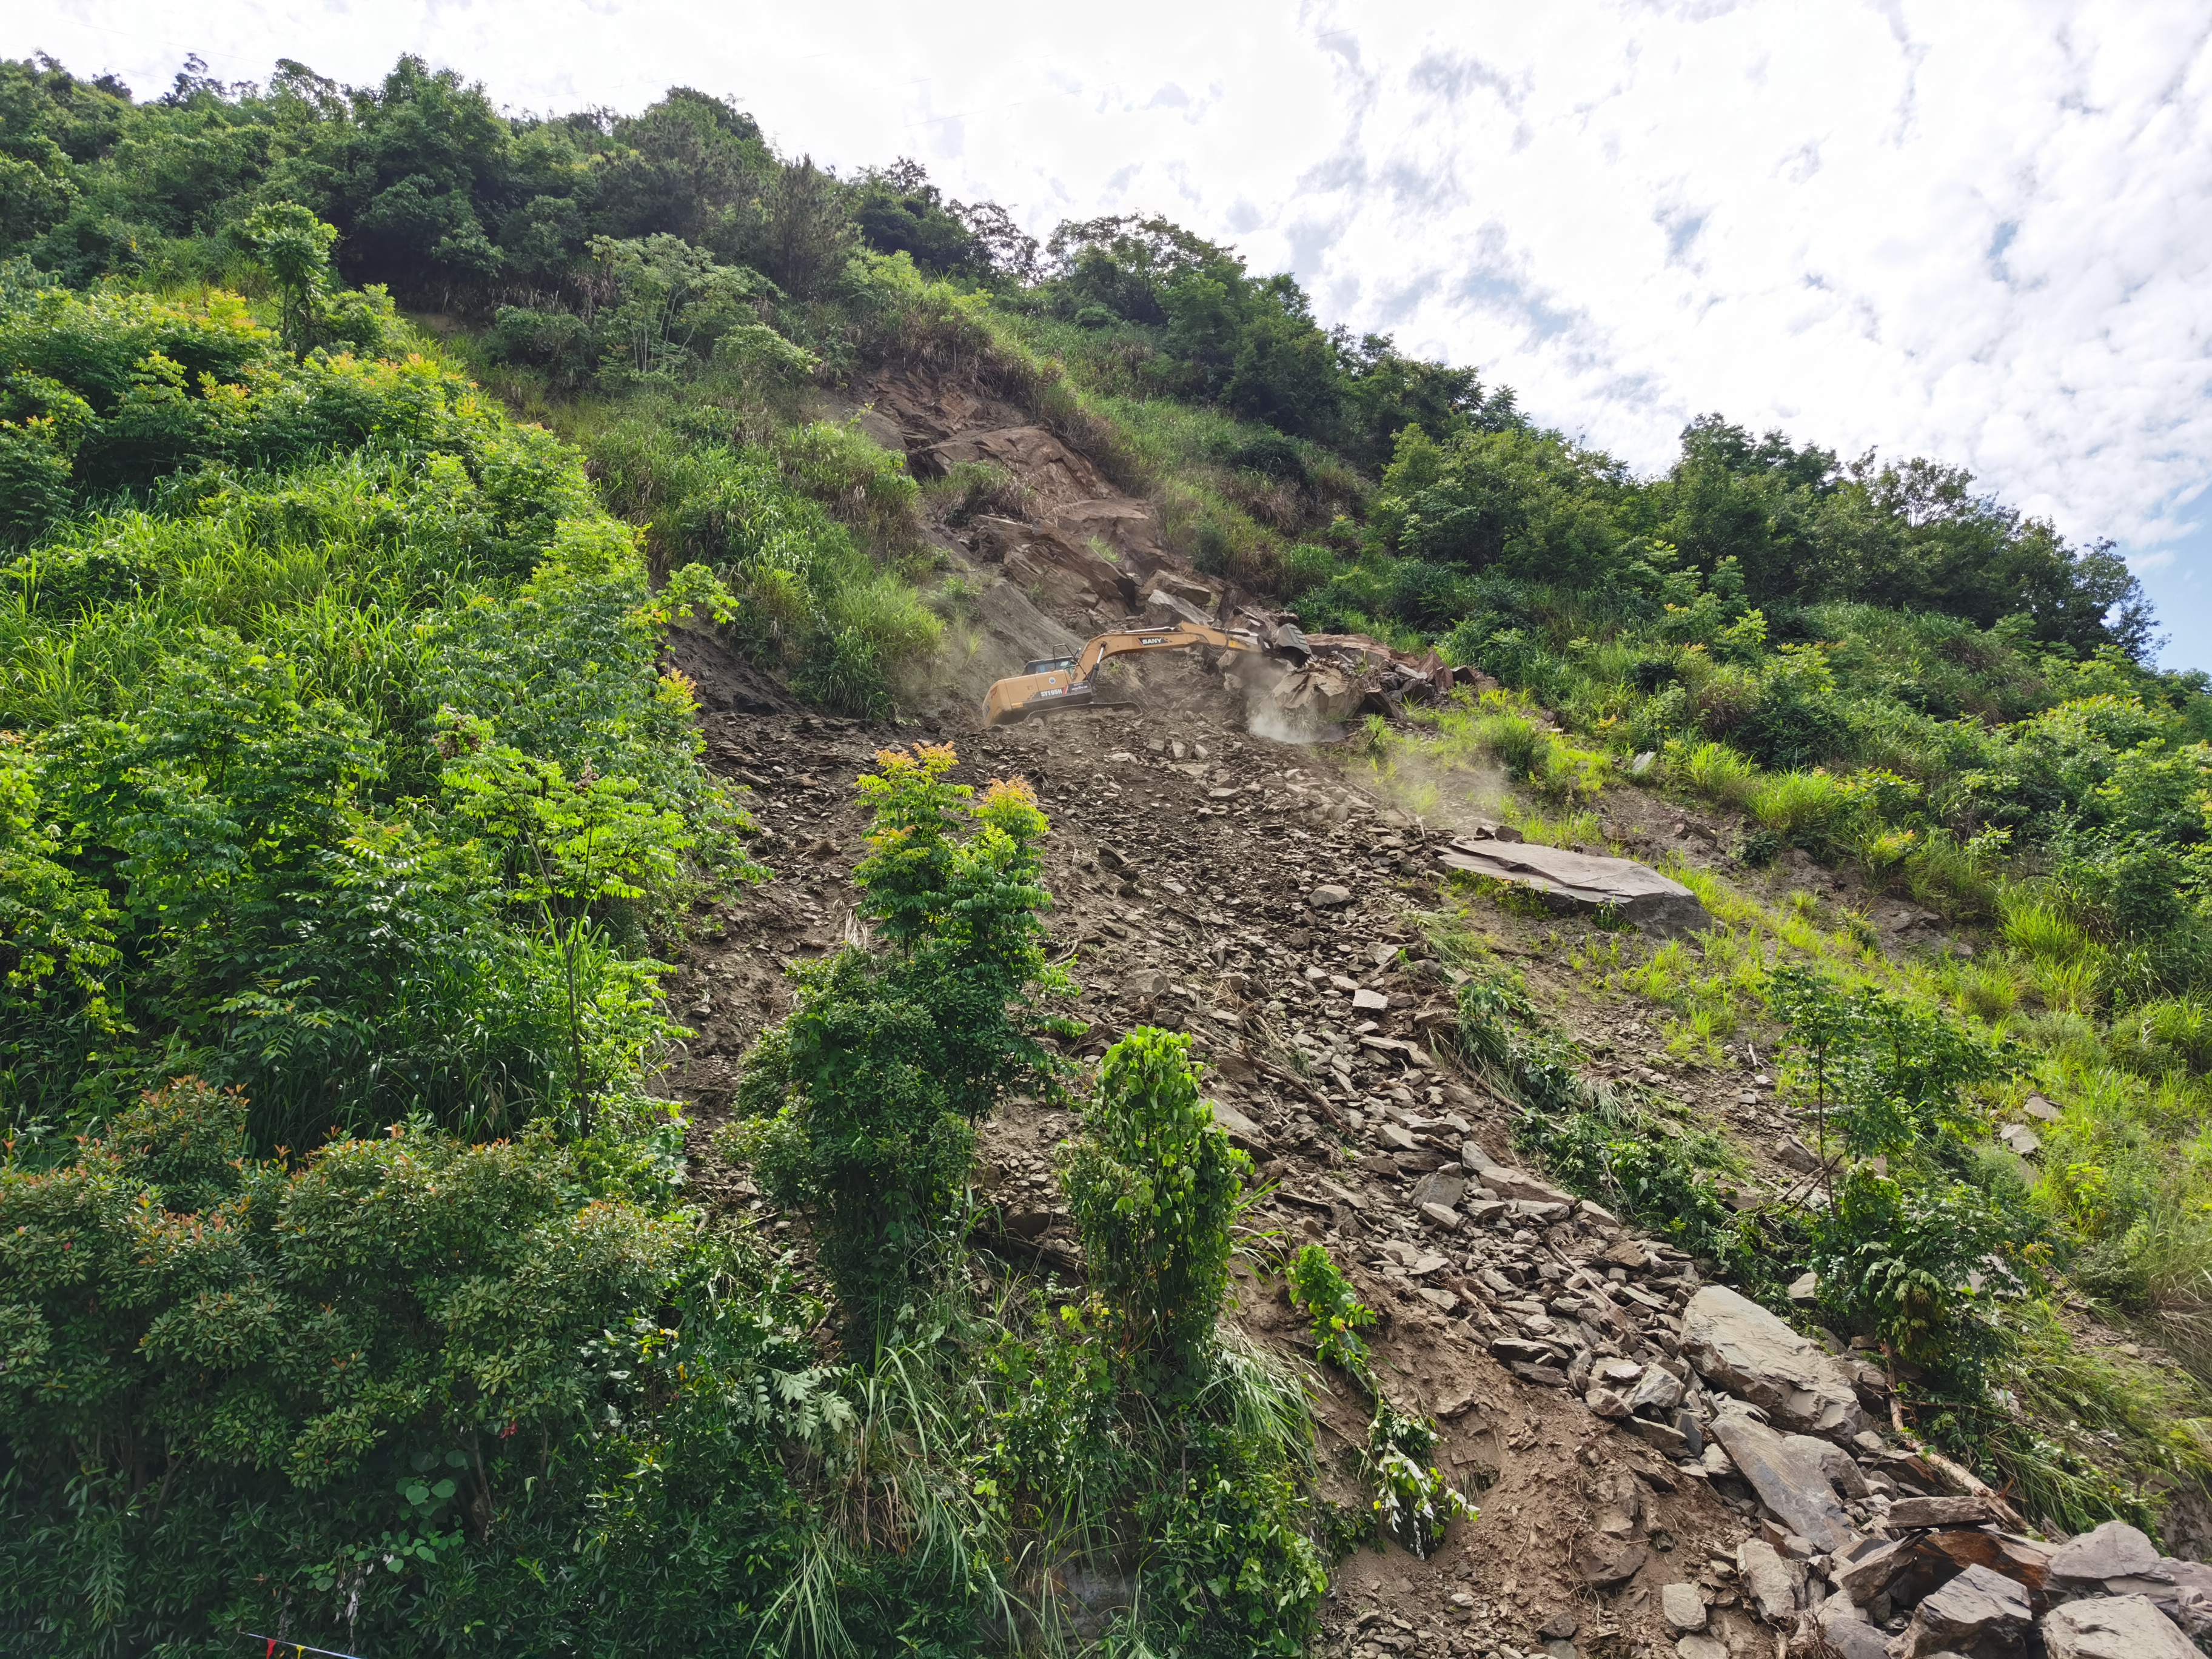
[{"x": 1978, "y": 232}]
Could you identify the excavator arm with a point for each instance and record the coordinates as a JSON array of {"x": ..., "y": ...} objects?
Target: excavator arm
[
  {"x": 1130, "y": 639},
  {"x": 1057, "y": 684}
]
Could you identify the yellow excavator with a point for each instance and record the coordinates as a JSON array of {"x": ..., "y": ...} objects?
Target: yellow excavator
[{"x": 1055, "y": 685}]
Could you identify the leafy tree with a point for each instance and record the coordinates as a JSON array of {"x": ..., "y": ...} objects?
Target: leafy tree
[
  {"x": 378, "y": 1393},
  {"x": 294, "y": 247},
  {"x": 1154, "y": 1189},
  {"x": 669, "y": 303},
  {"x": 865, "y": 1096}
]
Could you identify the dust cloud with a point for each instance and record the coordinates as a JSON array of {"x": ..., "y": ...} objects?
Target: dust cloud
[{"x": 1264, "y": 717}]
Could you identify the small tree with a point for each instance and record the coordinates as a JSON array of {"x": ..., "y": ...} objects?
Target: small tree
[
  {"x": 293, "y": 247},
  {"x": 866, "y": 1095},
  {"x": 1155, "y": 1188}
]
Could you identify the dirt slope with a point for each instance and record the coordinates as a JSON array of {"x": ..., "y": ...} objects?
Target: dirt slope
[{"x": 1191, "y": 863}]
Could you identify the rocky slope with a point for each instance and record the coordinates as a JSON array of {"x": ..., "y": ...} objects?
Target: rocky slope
[{"x": 1659, "y": 1465}]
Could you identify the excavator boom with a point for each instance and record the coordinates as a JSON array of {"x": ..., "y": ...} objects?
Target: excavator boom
[{"x": 1057, "y": 684}]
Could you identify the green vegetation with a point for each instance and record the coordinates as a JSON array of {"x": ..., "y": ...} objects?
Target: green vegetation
[
  {"x": 349, "y": 1282},
  {"x": 866, "y": 1095},
  {"x": 1939, "y": 1249},
  {"x": 1412, "y": 1503}
]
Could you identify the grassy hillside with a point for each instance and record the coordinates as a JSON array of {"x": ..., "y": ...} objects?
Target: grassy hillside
[{"x": 358, "y": 449}]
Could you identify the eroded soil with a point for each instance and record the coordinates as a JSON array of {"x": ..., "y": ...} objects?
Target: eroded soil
[{"x": 1253, "y": 894}]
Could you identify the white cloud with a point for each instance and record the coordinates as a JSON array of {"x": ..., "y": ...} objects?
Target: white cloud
[{"x": 1978, "y": 231}]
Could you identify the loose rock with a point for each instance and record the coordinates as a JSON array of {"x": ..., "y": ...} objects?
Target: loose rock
[
  {"x": 1604, "y": 1561},
  {"x": 2115, "y": 1550},
  {"x": 1978, "y": 1612},
  {"x": 1739, "y": 1346},
  {"x": 1683, "y": 1606},
  {"x": 1769, "y": 1582},
  {"x": 2113, "y": 1627},
  {"x": 1788, "y": 1482}
]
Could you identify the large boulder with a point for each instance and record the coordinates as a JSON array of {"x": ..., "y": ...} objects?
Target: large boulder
[
  {"x": 2113, "y": 1549},
  {"x": 2114, "y": 1627},
  {"x": 1635, "y": 892},
  {"x": 1788, "y": 1479},
  {"x": 1981, "y": 1614},
  {"x": 2182, "y": 1590},
  {"x": 1922, "y": 1563},
  {"x": 1738, "y": 1346}
]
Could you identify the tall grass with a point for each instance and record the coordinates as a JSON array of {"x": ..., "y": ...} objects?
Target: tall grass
[{"x": 1715, "y": 771}]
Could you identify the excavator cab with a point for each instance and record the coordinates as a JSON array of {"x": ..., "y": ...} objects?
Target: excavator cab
[{"x": 1047, "y": 683}]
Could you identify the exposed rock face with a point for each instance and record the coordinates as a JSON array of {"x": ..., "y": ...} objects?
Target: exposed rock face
[
  {"x": 1655, "y": 903},
  {"x": 1037, "y": 558},
  {"x": 1738, "y": 1346},
  {"x": 2114, "y": 1627},
  {"x": 1056, "y": 473}
]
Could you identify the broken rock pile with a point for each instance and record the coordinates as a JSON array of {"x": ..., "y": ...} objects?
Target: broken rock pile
[{"x": 1866, "y": 1546}]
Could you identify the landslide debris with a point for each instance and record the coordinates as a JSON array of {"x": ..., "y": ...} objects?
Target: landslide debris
[{"x": 1661, "y": 1465}]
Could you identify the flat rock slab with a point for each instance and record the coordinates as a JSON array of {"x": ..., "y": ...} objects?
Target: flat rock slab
[
  {"x": 1936, "y": 1512},
  {"x": 1738, "y": 1345},
  {"x": 2114, "y": 1627},
  {"x": 1509, "y": 1183},
  {"x": 1653, "y": 903},
  {"x": 1788, "y": 1480}
]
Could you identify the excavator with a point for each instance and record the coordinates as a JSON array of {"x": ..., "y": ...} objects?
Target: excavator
[{"x": 1055, "y": 685}]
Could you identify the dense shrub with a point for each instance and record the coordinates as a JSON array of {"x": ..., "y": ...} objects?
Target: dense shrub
[
  {"x": 236, "y": 795},
  {"x": 866, "y": 1095},
  {"x": 373, "y": 1395},
  {"x": 1154, "y": 1188}
]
